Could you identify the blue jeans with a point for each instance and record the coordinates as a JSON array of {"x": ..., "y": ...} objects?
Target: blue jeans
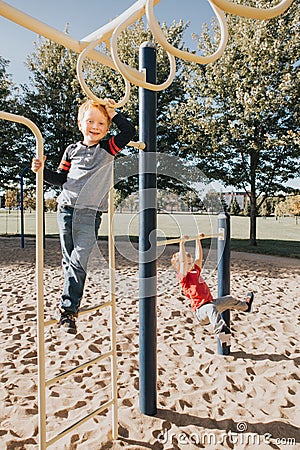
[{"x": 78, "y": 230}]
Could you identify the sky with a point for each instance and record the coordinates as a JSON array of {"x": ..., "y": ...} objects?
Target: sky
[{"x": 83, "y": 18}]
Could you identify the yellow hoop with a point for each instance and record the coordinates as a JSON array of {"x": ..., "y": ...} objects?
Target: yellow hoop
[
  {"x": 160, "y": 37},
  {"x": 252, "y": 12},
  {"x": 84, "y": 86},
  {"x": 123, "y": 69}
]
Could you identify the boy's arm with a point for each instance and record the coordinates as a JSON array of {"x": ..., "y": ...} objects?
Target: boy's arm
[
  {"x": 55, "y": 178},
  {"x": 50, "y": 176},
  {"x": 183, "y": 263},
  {"x": 127, "y": 131},
  {"x": 199, "y": 253}
]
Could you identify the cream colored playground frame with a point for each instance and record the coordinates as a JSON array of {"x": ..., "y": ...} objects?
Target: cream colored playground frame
[
  {"x": 109, "y": 34},
  {"x": 43, "y": 383}
]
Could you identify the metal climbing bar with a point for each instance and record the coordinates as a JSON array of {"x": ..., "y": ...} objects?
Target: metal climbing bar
[
  {"x": 160, "y": 37},
  {"x": 113, "y": 328},
  {"x": 251, "y": 12},
  {"x": 103, "y": 34},
  {"x": 112, "y": 354},
  {"x": 41, "y": 323},
  {"x": 194, "y": 238},
  {"x": 39, "y": 270},
  {"x": 80, "y": 313},
  {"x": 76, "y": 369},
  {"x": 80, "y": 422},
  {"x": 138, "y": 77}
]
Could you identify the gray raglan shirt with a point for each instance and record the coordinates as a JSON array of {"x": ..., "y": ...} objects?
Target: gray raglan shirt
[{"x": 85, "y": 173}]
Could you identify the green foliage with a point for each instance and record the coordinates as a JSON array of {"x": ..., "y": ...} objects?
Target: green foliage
[
  {"x": 234, "y": 207},
  {"x": 50, "y": 204},
  {"x": 52, "y": 99},
  {"x": 266, "y": 208},
  {"x": 105, "y": 82},
  {"x": 236, "y": 119},
  {"x": 243, "y": 110},
  {"x": 247, "y": 209},
  {"x": 212, "y": 202},
  {"x": 11, "y": 153},
  {"x": 11, "y": 198}
]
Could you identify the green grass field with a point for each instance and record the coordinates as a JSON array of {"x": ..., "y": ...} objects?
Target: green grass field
[{"x": 276, "y": 237}]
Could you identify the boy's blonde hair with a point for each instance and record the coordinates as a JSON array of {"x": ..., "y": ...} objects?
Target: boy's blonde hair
[
  {"x": 92, "y": 104},
  {"x": 175, "y": 260}
]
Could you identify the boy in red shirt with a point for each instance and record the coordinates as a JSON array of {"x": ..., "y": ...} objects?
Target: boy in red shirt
[{"x": 206, "y": 308}]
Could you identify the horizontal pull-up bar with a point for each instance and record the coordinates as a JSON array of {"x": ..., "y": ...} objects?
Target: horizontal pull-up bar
[
  {"x": 194, "y": 238},
  {"x": 138, "y": 144}
]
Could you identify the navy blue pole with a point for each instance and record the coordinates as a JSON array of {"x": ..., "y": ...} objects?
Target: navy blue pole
[
  {"x": 23, "y": 171},
  {"x": 147, "y": 235},
  {"x": 224, "y": 270}
]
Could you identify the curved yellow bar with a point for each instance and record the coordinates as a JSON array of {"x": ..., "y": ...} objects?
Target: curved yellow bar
[
  {"x": 251, "y": 12},
  {"x": 160, "y": 37},
  {"x": 39, "y": 267},
  {"x": 188, "y": 239},
  {"x": 124, "y": 69},
  {"x": 84, "y": 86},
  {"x": 105, "y": 32}
]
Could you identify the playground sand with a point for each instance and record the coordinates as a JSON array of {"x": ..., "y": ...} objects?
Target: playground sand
[{"x": 247, "y": 400}]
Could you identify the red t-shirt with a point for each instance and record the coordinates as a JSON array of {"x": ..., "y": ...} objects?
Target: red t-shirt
[{"x": 195, "y": 288}]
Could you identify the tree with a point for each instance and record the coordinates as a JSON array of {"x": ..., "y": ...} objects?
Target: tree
[
  {"x": 293, "y": 206},
  {"x": 52, "y": 98},
  {"x": 29, "y": 201},
  {"x": 111, "y": 85},
  {"x": 11, "y": 198},
  {"x": 212, "y": 201},
  {"x": 266, "y": 208},
  {"x": 50, "y": 204},
  {"x": 234, "y": 207},
  {"x": 192, "y": 200},
  {"x": 247, "y": 210},
  {"x": 243, "y": 109},
  {"x": 11, "y": 151},
  {"x": 223, "y": 202}
]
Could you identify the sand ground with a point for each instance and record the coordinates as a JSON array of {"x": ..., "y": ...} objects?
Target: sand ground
[{"x": 247, "y": 400}]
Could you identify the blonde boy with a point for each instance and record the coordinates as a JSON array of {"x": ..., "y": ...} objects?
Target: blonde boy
[
  {"x": 84, "y": 174},
  {"x": 206, "y": 309}
]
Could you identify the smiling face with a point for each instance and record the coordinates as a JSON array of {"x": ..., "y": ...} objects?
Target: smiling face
[{"x": 94, "y": 125}]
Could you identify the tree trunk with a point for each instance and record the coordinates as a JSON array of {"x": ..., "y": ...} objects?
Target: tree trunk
[
  {"x": 253, "y": 214},
  {"x": 253, "y": 203}
]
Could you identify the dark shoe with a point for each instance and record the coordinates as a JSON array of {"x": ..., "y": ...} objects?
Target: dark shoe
[
  {"x": 250, "y": 295},
  {"x": 68, "y": 322}
]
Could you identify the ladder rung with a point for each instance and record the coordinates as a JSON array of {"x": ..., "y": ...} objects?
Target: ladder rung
[
  {"x": 49, "y": 322},
  {"x": 77, "y": 368},
  {"x": 80, "y": 422}
]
